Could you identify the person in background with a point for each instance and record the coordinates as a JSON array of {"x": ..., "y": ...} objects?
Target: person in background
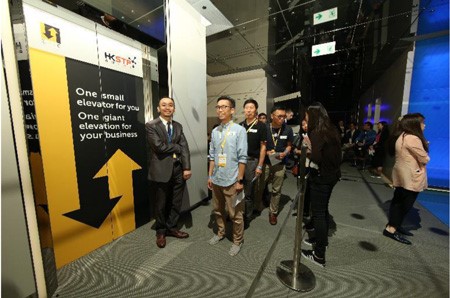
[
  {"x": 256, "y": 141},
  {"x": 409, "y": 174},
  {"x": 303, "y": 138},
  {"x": 169, "y": 168},
  {"x": 289, "y": 114},
  {"x": 324, "y": 173},
  {"x": 262, "y": 117},
  {"x": 378, "y": 149},
  {"x": 349, "y": 141},
  {"x": 341, "y": 130},
  {"x": 279, "y": 144},
  {"x": 304, "y": 141},
  {"x": 351, "y": 134},
  {"x": 363, "y": 141},
  {"x": 227, "y": 160}
]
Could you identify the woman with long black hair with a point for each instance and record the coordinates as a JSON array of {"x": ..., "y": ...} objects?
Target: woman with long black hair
[
  {"x": 409, "y": 174},
  {"x": 323, "y": 175}
]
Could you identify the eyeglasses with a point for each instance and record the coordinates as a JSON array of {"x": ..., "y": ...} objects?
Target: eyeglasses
[
  {"x": 280, "y": 116},
  {"x": 222, "y": 107}
]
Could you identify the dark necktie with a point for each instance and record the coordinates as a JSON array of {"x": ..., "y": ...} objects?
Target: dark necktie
[{"x": 169, "y": 131}]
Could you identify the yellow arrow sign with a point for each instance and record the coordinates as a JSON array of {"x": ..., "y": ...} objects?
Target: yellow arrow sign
[{"x": 119, "y": 170}]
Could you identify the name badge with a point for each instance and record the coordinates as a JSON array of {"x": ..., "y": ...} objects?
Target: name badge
[
  {"x": 283, "y": 137},
  {"x": 253, "y": 130},
  {"x": 222, "y": 160}
]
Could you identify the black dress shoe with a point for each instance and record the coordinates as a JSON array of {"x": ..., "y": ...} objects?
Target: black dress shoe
[
  {"x": 396, "y": 236},
  {"x": 404, "y": 232}
]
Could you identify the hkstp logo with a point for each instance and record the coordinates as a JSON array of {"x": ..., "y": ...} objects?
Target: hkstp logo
[{"x": 116, "y": 59}]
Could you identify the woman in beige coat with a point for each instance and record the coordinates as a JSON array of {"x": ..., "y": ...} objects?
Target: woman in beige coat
[{"x": 409, "y": 174}]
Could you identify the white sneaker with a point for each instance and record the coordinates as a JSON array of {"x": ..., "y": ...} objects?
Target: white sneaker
[
  {"x": 214, "y": 240},
  {"x": 234, "y": 250}
]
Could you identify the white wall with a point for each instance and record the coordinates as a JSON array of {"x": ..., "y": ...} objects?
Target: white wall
[
  {"x": 186, "y": 51},
  {"x": 240, "y": 86},
  {"x": 21, "y": 257}
]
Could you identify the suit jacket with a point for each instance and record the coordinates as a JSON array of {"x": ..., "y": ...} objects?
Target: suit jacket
[
  {"x": 348, "y": 136},
  {"x": 409, "y": 170},
  {"x": 161, "y": 152}
]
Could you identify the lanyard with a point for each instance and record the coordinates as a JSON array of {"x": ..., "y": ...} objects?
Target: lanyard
[
  {"x": 275, "y": 141},
  {"x": 222, "y": 145},
  {"x": 253, "y": 123}
]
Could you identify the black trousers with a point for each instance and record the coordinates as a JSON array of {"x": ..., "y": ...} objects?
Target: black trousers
[
  {"x": 169, "y": 197},
  {"x": 319, "y": 195},
  {"x": 400, "y": 205},
  {"x": 249, "y": 187}
]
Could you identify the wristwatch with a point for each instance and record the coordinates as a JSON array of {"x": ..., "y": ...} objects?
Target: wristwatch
[{"x": 240, "y": 181}]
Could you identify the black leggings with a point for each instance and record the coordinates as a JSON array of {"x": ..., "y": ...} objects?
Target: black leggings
[
  {"x": 319, "y": 195},
  {"x": 400, "y": 205}
]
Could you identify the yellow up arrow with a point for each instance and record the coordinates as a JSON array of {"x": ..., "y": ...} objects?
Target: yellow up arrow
[{"x": 120, "y": 178}]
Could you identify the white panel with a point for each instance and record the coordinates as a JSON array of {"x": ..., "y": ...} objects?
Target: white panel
[
  {"x": 287, "y": 96},
  {"x": 408, "y": 80},
  {"x": 118, "y": 56},
  {"x": 75, "y": 41},
  {"x": 240, "y": 86},
  {"x": 187, "y": 85},
  {"x": 20, "y": 41},
  {"x": 218, "y": 21},
  {"x": 21, "y": 255}
]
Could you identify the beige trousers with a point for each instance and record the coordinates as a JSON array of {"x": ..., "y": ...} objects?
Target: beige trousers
[
  {"x": 275, "y": 175},
  {"x": 225, "y": 196}
]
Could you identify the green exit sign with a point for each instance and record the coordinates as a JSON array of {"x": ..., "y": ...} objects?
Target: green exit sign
[
  {"x": 323, "y": 49},
  {"x": 325, "y": 16}
]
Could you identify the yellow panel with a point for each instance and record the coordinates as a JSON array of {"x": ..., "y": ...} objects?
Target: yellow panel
[{"x": 71, "y": 239}]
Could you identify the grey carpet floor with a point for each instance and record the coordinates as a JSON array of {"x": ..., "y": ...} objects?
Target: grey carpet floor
[{"x": 361, "y": 262}]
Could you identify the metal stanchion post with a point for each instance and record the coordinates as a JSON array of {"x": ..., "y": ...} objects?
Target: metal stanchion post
[{"x": 292, "y": 273}]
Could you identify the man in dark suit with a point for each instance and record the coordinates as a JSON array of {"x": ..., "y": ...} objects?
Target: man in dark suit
[{"x": 169, "y": 168}]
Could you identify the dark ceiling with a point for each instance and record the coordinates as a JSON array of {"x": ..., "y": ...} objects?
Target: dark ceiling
[{"x": 277, "y": 36}]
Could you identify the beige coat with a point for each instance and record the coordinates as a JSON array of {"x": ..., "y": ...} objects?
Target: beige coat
[{"x": 410, "y": 159}]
